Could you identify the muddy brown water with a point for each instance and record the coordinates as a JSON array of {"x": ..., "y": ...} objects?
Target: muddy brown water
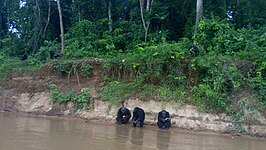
[{"x": 24, "y": 132}]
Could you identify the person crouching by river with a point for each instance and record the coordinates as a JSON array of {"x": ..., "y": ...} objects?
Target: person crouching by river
[
  {"x": 138, "y": 117},
  {"x": 123, "y": 115},
  {"x": 164, "y": 120}
]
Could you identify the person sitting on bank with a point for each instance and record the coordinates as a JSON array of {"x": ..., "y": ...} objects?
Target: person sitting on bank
[{"x": 164, "y": 120}]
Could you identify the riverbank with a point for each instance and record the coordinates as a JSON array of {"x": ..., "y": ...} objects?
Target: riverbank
[{"x": 29, "y": 92}]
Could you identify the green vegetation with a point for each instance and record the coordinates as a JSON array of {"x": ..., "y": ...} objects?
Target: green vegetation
[
  {"x": 209, "y": 80},
  {"x": 68, "y": 67},
  {"x": 231, "y": 39},
  {"x": 81, "y": 100}
]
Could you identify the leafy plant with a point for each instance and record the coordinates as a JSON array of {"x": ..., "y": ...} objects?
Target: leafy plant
[
  {"x": 244, "y": 112},
  {"x": 81, "y": 100},
  {"x": 72, "y": 67},
  {"x": 54, "y": 90},
  {"x": 3, "y": 70},
  {"x": 62, "y": 67},
  {"x": 117, "y": 92},
  {"x": 259, "y": 84},
  {"x": 86, "y": 69},
  {"x": 208, "y": 99}
]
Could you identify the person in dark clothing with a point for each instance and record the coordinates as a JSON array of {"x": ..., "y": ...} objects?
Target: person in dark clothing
[
  {"x": 123, "y": 115},
  {"x": 138, "y": 117},
  {"x": 164, "y": 120}
]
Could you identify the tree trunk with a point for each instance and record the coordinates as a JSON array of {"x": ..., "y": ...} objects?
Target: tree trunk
[
  {"x": 48, "y": 17},
  {"x": 3, "y": 19},
  {"x": 146, "y": 24},
  {"x": 37, "y": 28},
  {"x": 199, "y": 13},
  {"x": 110, "y": 15},
  {"x": 61, "y": 27}
]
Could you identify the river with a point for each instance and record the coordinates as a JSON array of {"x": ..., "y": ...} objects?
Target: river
[{"x": 27, "y": 132}]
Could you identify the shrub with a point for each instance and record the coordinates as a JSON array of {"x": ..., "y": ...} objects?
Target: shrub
[
  {"x": 81, "y": 100},
  {"x": 117, "y": 92},
  {"x": 68, "y": 67},
  {"x": 207, "y": 99},
  {"x": 244, "y": 113}
]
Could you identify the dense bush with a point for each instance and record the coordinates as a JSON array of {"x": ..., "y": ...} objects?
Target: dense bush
[
  {"x": 154, "y": 64},
  {"x": 232, "y": 55}
]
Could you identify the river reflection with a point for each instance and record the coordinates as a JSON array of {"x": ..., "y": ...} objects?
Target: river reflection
[
  {"x": 163, "y": 139},
  {"x": 136, "y": 138},
  {"x": 23, "y": 132}
]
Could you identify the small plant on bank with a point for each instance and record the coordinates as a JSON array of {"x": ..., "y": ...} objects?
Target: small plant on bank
[
  {"x": 207, "y": 99},
  {"x": 244, "y": 113},
  {"x": 116, "y": 91},
  {"x": 86, "y": 69},
  {"x": 54, "y": 91},
  {"x": 81, "y": 100},
  {"x": 3, "y": 70},
  {"x": 62, "y": 67}
]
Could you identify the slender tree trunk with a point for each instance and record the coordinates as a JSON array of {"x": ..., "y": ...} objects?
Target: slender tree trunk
[
  {"x": 199, "y": 13},
  {"x": 148, "y": 5},
  {"x": 110, "y": 15},
  {"x": 141, "y": 3},
  {"x": 48, "y": 17},
  {"x": 148, "y": 8},
  {"x": 3, "y": 19},
  {"x": 79, "y": 13},
  {"x": 61, "y": 27},
  {"x": 37, "y": 28}
]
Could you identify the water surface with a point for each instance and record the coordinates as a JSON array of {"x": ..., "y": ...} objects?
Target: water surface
[{"x": 24, "y": 132}]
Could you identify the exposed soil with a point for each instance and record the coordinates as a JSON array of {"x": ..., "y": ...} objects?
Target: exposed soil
[{"x": 29, "y": 92}]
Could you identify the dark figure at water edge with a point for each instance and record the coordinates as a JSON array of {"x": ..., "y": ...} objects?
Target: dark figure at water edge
[
  {"x": 164, "y": 121},
  {"x": 123, "y": 115},
  {"x": 138, "y": 117}
]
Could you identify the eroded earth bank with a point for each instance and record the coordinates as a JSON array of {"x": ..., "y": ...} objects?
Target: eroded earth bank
[{"x": 29, "y": 92}]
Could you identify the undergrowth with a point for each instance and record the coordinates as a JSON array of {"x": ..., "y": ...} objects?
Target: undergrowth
[
  {"x": 81, "y": 100},
  {"x": 166, "y": 72},
  {"x": 69, "y": 67}
]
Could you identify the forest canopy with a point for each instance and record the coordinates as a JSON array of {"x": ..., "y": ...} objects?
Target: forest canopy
[{"x": 29, "y": 26}]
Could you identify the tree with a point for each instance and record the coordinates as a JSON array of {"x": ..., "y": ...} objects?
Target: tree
[
  {"x": 48, "y": 17},
  {"x": 246, "y": 13},
  {"x": 37, "y": 28},
  {"x": 199, "y": 13},
  {"x": 145, "y": 10},
  {"x": 110, "y": 15},
  {"x": 61, "y": 26},
  {"x": 3, "y": 19}
]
